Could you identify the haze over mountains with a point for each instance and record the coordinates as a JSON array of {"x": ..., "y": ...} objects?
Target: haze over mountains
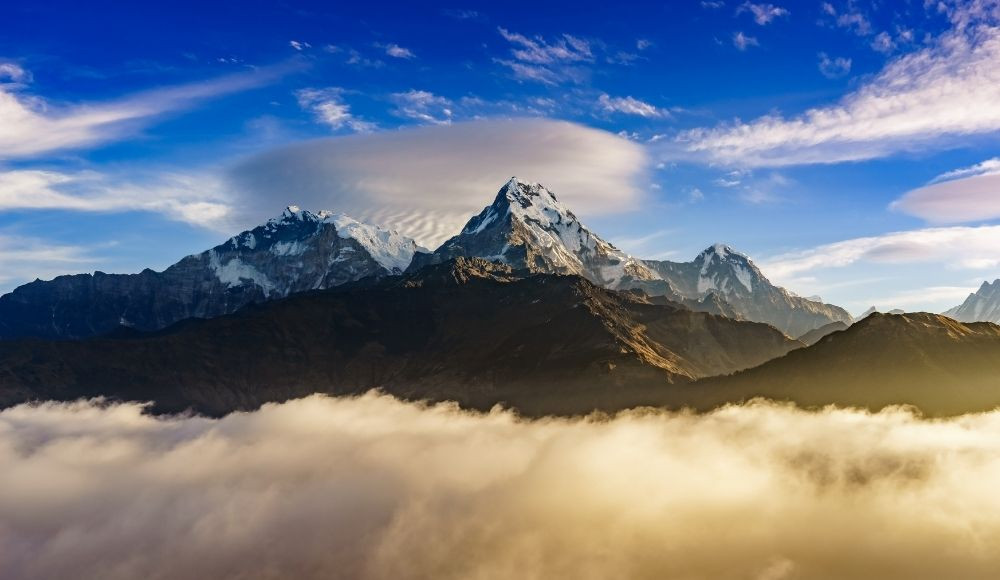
[
  {"x": 467, "y": 330},
  {"x": 740, "y": 284},
  {"x": 981, "y": 306},
  {"x": 295, "y": 252},
  {"x": 939, "y": 365},
  {"x": 525, "y": 306},
  {"x": 525, "y": 226}
]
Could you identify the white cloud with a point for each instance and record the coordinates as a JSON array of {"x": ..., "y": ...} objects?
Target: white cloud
[
  {"x": 423, "y": 106},
  {"x": 30, "y": 126},
  {"x": 299, "y": 45},
  {"x": 536, "y": 59},
  {"x": 834, "y": 68},
  {"x": 328, "y": 107},
  {"x": 988, "y": 167},
  {"x": 396, "y": 51},
  {"x": 194, "y": 199},
  {"x": 930, "y": 98},
  {"x": 427, "y": 181},
  {"x": 14, "y": 73},
  {"x": 742, "y": 41},
  {"x": 883, "y": 42},
  {"x": 972, "y": 248},
  {"x": 963, "y": 195},
  {"x": 373, "y": 488},
  {"x": 851, "y": 18},
  {"x": 629, "y": 106},
  {"x": 762, "y": 13},
  {"x": 538, "y": 51}
]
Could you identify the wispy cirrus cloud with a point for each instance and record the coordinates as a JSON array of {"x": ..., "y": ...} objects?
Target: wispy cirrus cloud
[
  {"x": 850, "y": 17},
  {"x": 423, "y": 106},
  {"x": 763, "y": 13},
  {"x": 834, "y": 68},
  {"x": 972, "y": 248},
  {"x": 395, "y": 51},
  {"x": 548, "y": 62},
  {"x": 743, "y": 41},
  {"x": 31, "y": 126},
  {"x": 197, "y": 199},
  {"x": 928, "y": 98},
  {"x": 13, "y": 72},
  {"x": 328, "y": 107},
  {"x": 629, "y": 106}
]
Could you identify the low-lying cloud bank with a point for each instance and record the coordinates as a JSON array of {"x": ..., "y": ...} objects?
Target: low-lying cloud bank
[{"x": 372, "y": 487}]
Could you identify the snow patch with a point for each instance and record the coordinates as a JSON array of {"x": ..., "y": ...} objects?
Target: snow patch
[
  {"x": 235, "y": 272},
  {"x": 391, "y": 250}
]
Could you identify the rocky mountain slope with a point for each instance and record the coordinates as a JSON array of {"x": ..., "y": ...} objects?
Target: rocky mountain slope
[
  {"x": 739, "y": 282},
  {"x": 981, "y": 306},
  {"x": 527, "y": 227},
  {"x": 297, "y": 251},
  {"x": 469, "y": 330},
  {"x": 933, "y": 362}
]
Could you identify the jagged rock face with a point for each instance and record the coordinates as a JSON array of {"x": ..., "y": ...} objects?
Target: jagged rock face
[
  {"x": 528, "y": 228},
  {"x": 737, "y": 281},
  {"x": 295, "y": 252},
  {"x": 468, "y": 330},
  {"x": 982, "y": 306}
]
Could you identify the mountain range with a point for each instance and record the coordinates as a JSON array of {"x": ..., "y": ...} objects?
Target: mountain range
[
  {"x": 525, "y": 227},
  {"x": 739, "y": 283},
  {"x": 981, "y": 306},
  {"x": 468, "y": 330},
  {"x": 930, "y": 361},
  {"x": 295, "y": 252},
  {"x": 525, "y": 306}
]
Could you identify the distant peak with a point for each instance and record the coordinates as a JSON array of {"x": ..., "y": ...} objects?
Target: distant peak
[
  {"x": 524, "y": 193},
  {"x": 291, "y": 211},
  {"x": 720, "y": 248},
  {"x": 724, "y": 251}
]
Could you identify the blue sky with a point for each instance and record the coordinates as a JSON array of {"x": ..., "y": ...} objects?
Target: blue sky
[{"x": 849, "y": 147}]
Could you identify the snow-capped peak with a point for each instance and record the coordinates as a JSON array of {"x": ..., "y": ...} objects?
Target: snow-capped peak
[
  {"x": 296, "y": 230},
  {"x": 389, "y": 248},
  {"x": 980, "y": 306},
  {"x": 721, "y": 268},
  {"x": 717, "y": 249},
  {"x": 526, "y": 226}
]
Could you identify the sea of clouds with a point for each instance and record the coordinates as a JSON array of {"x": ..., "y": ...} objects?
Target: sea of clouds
[{"x": 372, "y": 487}]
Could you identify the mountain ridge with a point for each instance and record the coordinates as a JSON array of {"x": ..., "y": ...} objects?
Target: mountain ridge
[
  {"x": 297, "y": 251},
  {"x": 741, "y": 284},
  {"x": 467, "y": 330},
  {"x": 930, "y": 361},
  {"x": 526, "y": 226},
  {"x": 983, "y": 305}
]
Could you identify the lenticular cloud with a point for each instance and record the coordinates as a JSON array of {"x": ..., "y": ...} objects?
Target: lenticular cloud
[{"x": 372, "y": 487}]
